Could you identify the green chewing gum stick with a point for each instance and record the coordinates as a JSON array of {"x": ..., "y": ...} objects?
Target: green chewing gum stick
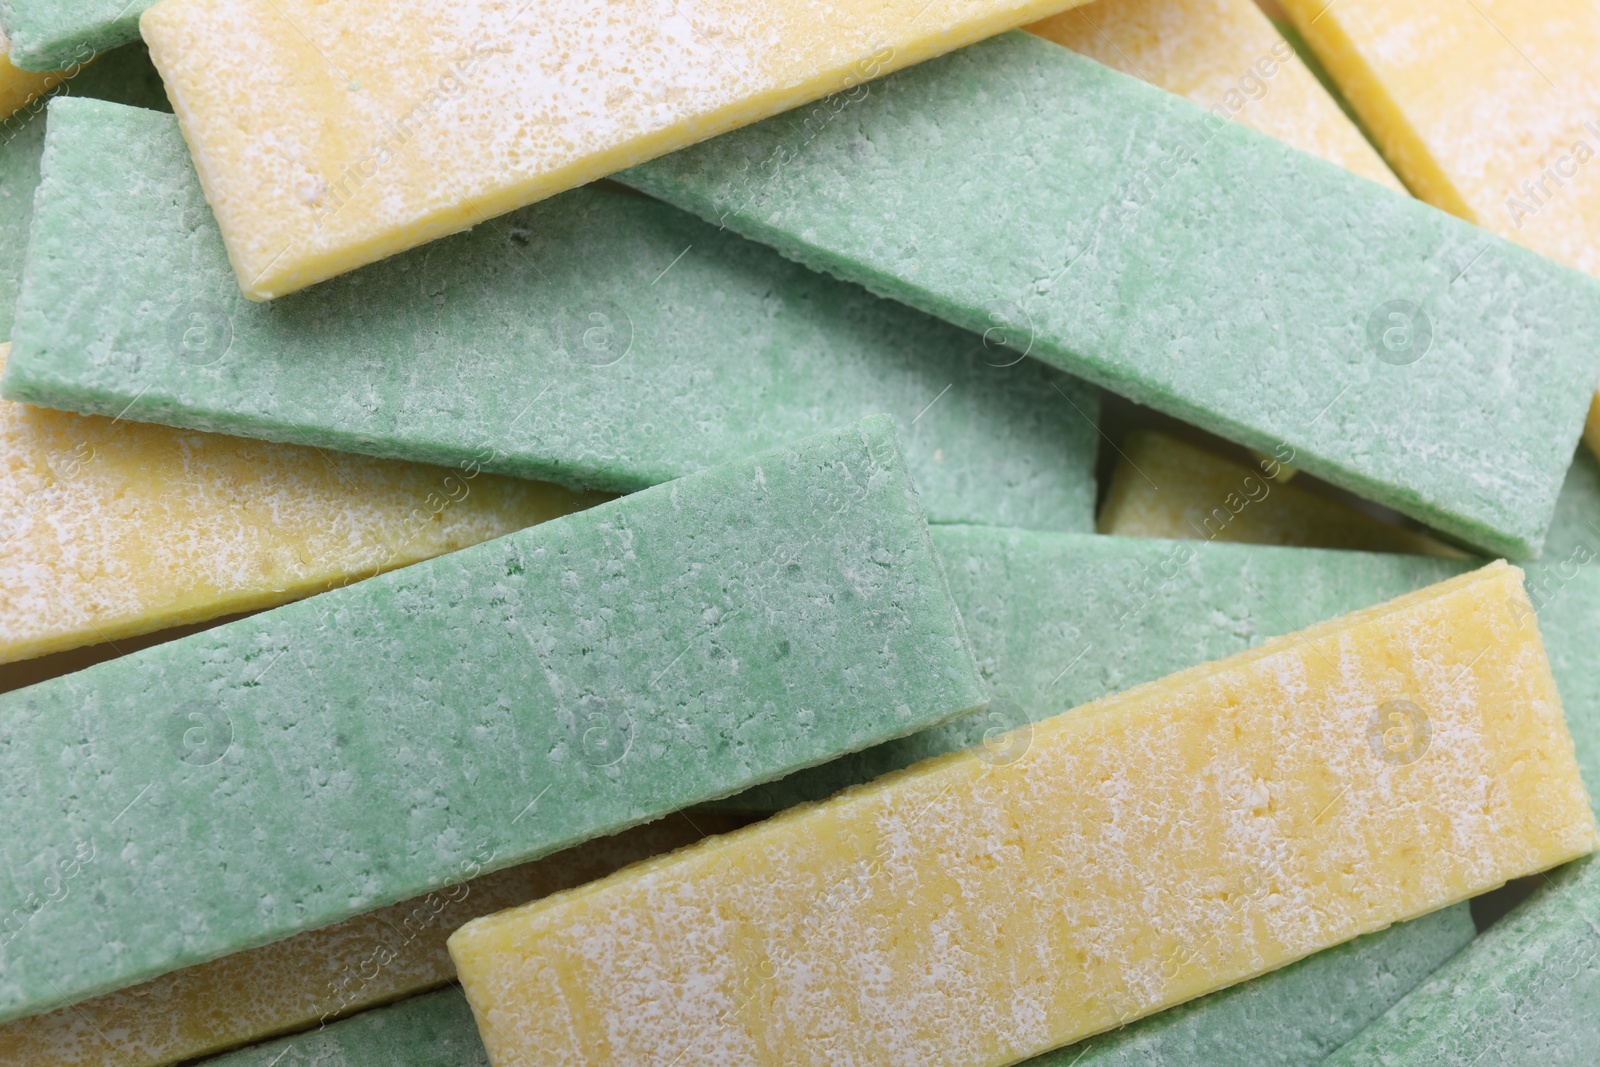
[
  {"x": 599, "y": 340},
  {"x": 125, "y": 76},
  {"x": 480, "y": 709},
  {"x": 1188, "y": 263}
]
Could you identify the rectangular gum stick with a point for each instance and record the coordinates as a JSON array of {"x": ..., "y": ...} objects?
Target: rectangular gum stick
[
  {"x": 1511, "y": 147},
  {"x": 600, "y": 340},
  {"x": 1225, "y": 56},
  {"x": 314, "y": 977},
  {"x": 1187, "y": 263},
  {"x": 653, "y": 652},
  {"x": 1478, "y": 147},
  {"x": 328, "y": 137},
  {"x": 1061, "y": 620},
  {"x": 125, "y": 76},
  {"x": 109, "y": 529},
  {"x": 961, "y": 913}
]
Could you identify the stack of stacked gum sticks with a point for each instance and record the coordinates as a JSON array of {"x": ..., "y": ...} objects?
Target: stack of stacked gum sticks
[{"x": 976, "y": 533}]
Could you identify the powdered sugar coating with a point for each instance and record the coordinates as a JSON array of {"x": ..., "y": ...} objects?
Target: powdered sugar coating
[{"x": 1147, "y": 849}]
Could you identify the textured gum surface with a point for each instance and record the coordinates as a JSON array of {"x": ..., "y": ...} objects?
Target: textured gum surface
[
  {"x": 110, "y": 529},
  {"x": 1525, "y": 991},
  {"x": 1061, "y": 620},
  {"x": 1057, "y": 621},
  {"x": 600, "y": 340},
  {"x": 1297, "y": 1014},
  {"x": 1225, "y": 56},
  {"x": 312, "y": 977},
  {"x": 1188, "y": 263},
  {"x": 429, "y": 1031},
  {"x": 1327, "y": 997},
  {"x": 1508, "y": 147},
  {"x": 1166, "y": 487},
  {"x": 289, "y": 770},
  {"x": 125, "y": 76},
  {"x": 47, "y": 34},
  {"x": 329, "y": 136},
  {"x": 1291, "y": 1017},
  {"x": 1223, "y": 822},
  {"x": 1466, "y": 144}
]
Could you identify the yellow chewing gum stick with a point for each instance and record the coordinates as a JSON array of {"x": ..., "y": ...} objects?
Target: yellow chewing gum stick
[
  {"x": 1166, "y": 487},
  {"x": 111, "y": 528},
  {"x": 1475, "y": 106},
  {"x": 1226, "y": 56},
  {"x": 1123, "y": 857},
  {"x": 316, "y": 976},
  {"x": 327, "y": 136}
]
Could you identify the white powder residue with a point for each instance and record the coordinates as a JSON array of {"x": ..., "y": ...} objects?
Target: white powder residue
[{"x": 1144, "y": 851}]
